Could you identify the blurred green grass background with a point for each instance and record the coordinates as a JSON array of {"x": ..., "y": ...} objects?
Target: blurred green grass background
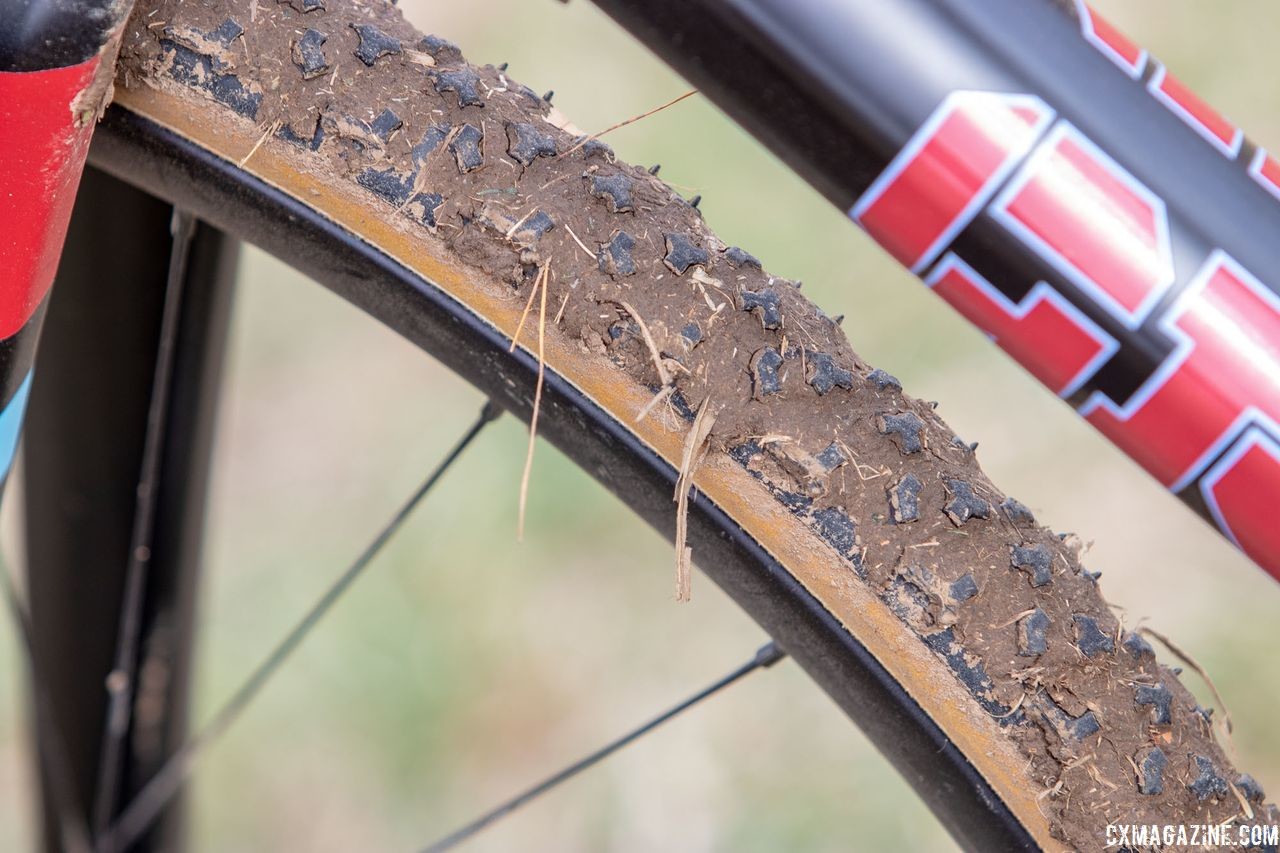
[{"x": 467, "y": 665}]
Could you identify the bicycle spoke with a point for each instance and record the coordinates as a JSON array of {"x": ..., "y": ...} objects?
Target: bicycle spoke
[
  {"x": 161, "y": 788},
  {"x": 121, "y": 679},
  {"x": 765, "y": 657}
]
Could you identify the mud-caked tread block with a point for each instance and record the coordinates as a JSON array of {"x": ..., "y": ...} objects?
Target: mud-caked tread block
[
  {"x": 463, "y": 82},
  {"x": 766, "y": 305},
  {"x": 1017, "y": 514},
  {"x": 385, "y": 182},
  {"x": 534, "y": 227},
  {"x": 595, "y": 149},
  {"x": 1070, "y": 729},
  {"x": 1033, "y": 634},
  {"x": 682, "y": 253},
  {"x": 1091, "y": 640},
  {"x": 825, "y": 373},
  {"x": 374, "y": 44},
  {"x": 972, "y": 674},
  {"x": 531, "y": 96},
  {"x": 794, "y": 501},
  {"x": 1137, "y": 645},
  {"x": 908, "y": 602},
  {"x": 308, "y": 54},
  {"x": 423, "y": 207},
  {"x": 963, "y": 588},
  {"x": 904, "y": 499},
  {"x": 398, "y": 190},
  {"x": 210, "y": 74},
  {"x": 226, "y": 32},
  {"x": 441, "y": 49},
  {"x": 1160, "y": 700},
  {"x": 739, "y": 258},
  {"x": 1035, "y": 560},
  {"x": 385, "y": 124},
  {"x": 1249, "y": 788},
  {"x": 466, "y": 148},
  {"x": 963, "y": 503},
  {"x": 614, "y": 190},
  {"x": 431, "y": 139},
  {"x": 1084, "y": 725},
  {"x": 1208, "y": 782},
  {"x": 691, "y": 332},
  {"x": 358, "y": 132},
  {"x": 525, "y": 143},
  {"x": 765, "y": 379},
  {"x": 905, "y": 429},
  {"x": 621, "y": 328},
  {"x": 831, "y": 457},
  {"x": 884, "y": 380},
  {"x": 615, "y": 258},
  {"x": 311, "y": 142},
  {"x": 1151, "y": 763},
  {"x": 837, "y": 529}
]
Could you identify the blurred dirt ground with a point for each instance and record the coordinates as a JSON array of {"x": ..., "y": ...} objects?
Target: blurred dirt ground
[{"x": 465, "y": 665}]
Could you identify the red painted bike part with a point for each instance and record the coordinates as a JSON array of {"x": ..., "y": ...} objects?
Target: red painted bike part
[{"x": 42, "y": 148}]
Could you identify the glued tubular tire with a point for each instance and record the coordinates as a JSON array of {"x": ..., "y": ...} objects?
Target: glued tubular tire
[{"x": 963, "y": 637}]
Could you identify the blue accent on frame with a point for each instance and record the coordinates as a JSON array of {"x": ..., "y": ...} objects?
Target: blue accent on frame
[{"x": 11, "y": 425}]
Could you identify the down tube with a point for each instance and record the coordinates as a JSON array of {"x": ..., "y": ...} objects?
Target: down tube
[{"x": 1055, "y": 184}]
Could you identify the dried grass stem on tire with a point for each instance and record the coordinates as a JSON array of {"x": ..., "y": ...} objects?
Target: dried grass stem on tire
[
  {"x": 539, "y": 288},
  {"x": 694, "y": 452},
  {"x": 632, "y": 120}
]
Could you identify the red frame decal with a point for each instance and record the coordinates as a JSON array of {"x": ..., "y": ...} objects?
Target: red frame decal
[
  {"x": 1240, "y": 490},
  {"x": 1109, "y": 41},
  {"x": 1208, "y": 416},
  {"x": 1092, "y": 221},
  {"x": 1223, "y": 377},
  {"x": 947, "y": 171},
  {"x": 1201, "y": 117},
  {"x": 1044, "y": 332},
  {"x": 44, "y": 151},
  {"x": 1265, "y": 169}
]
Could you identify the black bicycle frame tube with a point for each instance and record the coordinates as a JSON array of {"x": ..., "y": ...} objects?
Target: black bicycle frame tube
[{"x": 1054, "y": 183}]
